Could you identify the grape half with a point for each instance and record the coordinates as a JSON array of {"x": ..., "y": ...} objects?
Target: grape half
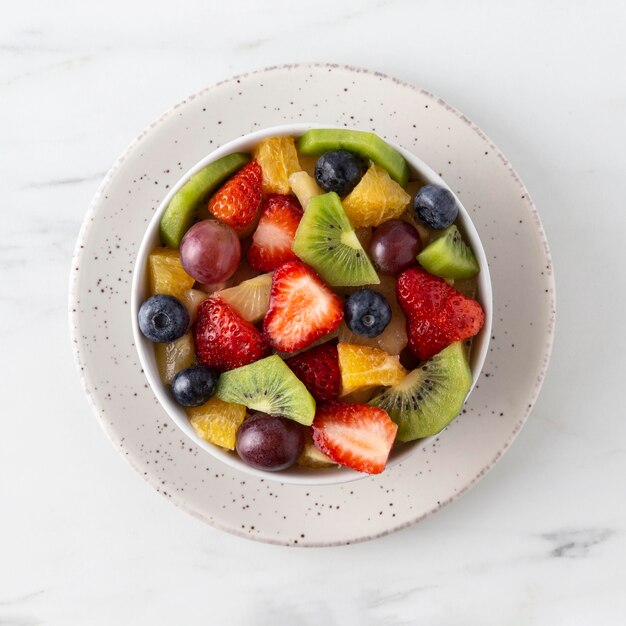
[{"x": 394, "y": 246}]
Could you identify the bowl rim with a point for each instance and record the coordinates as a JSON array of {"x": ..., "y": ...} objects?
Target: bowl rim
[{"x": 145, "y": 350}]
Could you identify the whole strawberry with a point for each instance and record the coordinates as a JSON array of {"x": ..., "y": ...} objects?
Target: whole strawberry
[
  {"x": 223, "y": 339},
  {"x": 318, "y": 369},
  {"x": 237, "y": 201},
  {"x": 436, "y": 314},
  {"x": 272, "y": 239}
]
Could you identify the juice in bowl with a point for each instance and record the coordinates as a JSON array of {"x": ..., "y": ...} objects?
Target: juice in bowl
[{"x": 311, "y": 304}]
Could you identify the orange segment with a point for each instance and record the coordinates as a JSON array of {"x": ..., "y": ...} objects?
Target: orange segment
[
  {"x": 376, "y": 199},
  {"x": 278, "y": 159},
  {"x": 167, "y": 274},
  {"x": 174, "y": 356},
  {"x": 217, "y": 421},
  {"x": 362, "y": 367}
]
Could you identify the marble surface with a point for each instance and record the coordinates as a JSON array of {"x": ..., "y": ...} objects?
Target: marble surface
[{"x": 540, "y": 540}]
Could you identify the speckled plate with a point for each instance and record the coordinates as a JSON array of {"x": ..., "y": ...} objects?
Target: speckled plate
[{"x": 298, "y": 514}]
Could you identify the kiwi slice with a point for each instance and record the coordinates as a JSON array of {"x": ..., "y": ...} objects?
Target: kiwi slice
[
  {"x": 182, "y": 208},
  {"x": 449, "y": 256},
  {"x": 430, "y": 397},
  {"x": 326, "y": 241},
  {"x": 367, "y": 145},
  {"x": 268, "y": 385}
]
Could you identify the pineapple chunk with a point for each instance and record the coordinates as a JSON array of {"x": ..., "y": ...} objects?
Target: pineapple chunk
[
  {"x": 217, "y": 421},
  {"x": 312, "y": 457},
  {"x": 394, "y": 338},
  {"x": 251, "y": 298},
  {"x": 278, "y": 159},
  {"x": 192, "y": 299},
  {"x": 174, "y": 356},
  {"x": 304, "y": 187},
  {"x": 166, "y": 272}
]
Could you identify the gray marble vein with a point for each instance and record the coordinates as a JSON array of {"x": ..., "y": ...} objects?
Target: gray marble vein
[
  {"x": 20, "y": 620},
  {"x": 575, "y": 544},
  {"x": 377, "y": 598},
  {"x": 70, "y": 180},
  {"x": 20, "y": 599}
]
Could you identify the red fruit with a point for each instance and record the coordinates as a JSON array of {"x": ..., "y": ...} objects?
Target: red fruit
[
  {"x": 223, "y": 339},
  {"x": 271, "y": 242},
  {"x": 302, "y": 308},
  {"x": 436, "y": 314},
  {"x": 318, "y": 369},
  {"x": 237, "y": 201},
  {"x": 355, "y": 435}
]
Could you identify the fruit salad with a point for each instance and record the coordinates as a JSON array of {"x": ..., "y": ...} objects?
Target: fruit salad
[{"x": 311, "y": 305}]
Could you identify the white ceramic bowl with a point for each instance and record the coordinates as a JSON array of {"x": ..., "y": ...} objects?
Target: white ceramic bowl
[{"x": 145, "y": 348}]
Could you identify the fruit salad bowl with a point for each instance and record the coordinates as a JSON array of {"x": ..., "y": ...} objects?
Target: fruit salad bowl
[{"x": 419, "y": 172}]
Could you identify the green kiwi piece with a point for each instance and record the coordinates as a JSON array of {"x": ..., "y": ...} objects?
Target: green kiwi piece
[
  {"x": 449, "y": 256},
  {"x": 430, "y": 397},
  {"x": 268, "y": 385},
  {"x": 367, "y": 145},
  {"x": 326, "y": 241},
  {"x": 183, "y": 206}
]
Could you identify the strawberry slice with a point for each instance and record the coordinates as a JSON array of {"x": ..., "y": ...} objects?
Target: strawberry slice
[
  {"x": 302, "y": 308},
  {"x": 223, "y": 339},
  {"x": 271, "y": 242},
  {"x": 237, "y": 201},
  {"x": 436, "y": 314},
  {"x": 358, "y": 436},
  {"x": 318, "y": 369}
]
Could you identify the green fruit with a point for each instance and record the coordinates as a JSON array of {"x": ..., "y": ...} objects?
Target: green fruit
[
  {"x": 449, "y": 256},
  {"x": 268, "y": 385},
  {"x": 367, "y": 145},
  {"x": 182, "y": 208},
  {"x": 430, "y": 397},
  {"x": 326, "y": 241}
]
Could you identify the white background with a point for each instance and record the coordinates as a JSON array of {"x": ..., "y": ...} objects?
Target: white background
[{"x": 541, "y": 540}]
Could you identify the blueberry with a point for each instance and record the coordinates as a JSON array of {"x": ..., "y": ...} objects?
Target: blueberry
[
  {"x": 435, "y": 206},
  {"x": 338, "y": 171},
  {"x": 194, "y": 385},
  {"x": 163, "y": 318},
  {"x": 367, "y": 313}
]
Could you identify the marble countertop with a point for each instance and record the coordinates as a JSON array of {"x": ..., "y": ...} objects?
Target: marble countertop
[{"x": 540, "y": 541}]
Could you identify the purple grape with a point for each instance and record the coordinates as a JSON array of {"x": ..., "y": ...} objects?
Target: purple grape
[
  {"x": 269, "y": 443},
  {"x": 394, "y": 246},
  {"x": 210, "y": 251}
]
